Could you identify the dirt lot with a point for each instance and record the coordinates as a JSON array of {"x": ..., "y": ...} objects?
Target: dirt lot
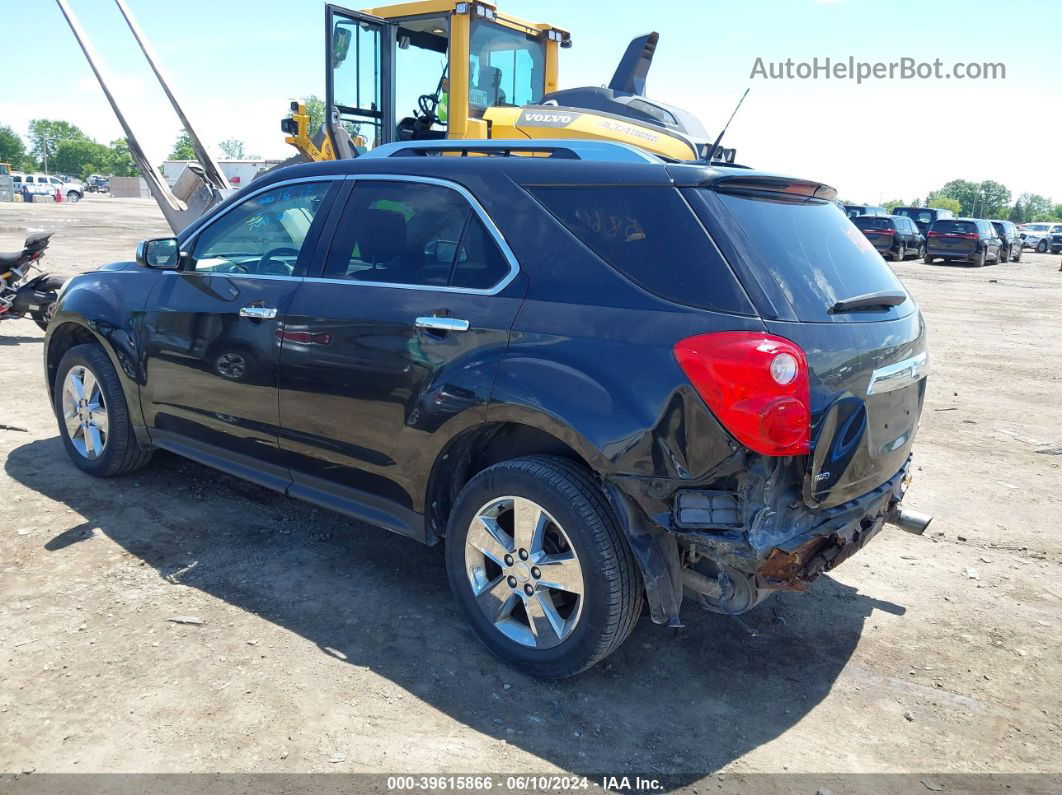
[{"x": 331, "y": 647}]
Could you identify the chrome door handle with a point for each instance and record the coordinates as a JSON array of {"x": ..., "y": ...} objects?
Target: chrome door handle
[
  {"x": 445, "y": 324},
  {"x": 258, "y": 312}
]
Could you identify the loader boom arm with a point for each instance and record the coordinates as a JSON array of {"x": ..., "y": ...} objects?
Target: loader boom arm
[{"x": 211, "y": 187}]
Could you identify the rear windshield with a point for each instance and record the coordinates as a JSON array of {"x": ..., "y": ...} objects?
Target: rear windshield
[
  {"x": 869, "y": 222},
  {"x": 652, "y": 237},
  {"x": 954, "y": 227},
  {"x": 999, "y": 228},
  {"x": 916, "y": 214},
  {"x": 812, "y": 250}
]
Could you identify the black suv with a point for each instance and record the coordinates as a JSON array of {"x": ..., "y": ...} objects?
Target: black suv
[
  {"x": 859, "y": 210},
  {"x": 600, "y": 378},
  {"x": 924, "y": 217},
  {"x": 893, "y": 236},
  {"x": 963, "y": 239},
  {"x": 1012, "y": 243}
]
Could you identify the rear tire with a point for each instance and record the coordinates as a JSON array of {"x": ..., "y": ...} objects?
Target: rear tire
[
  {"x": 980, "y": 263},
  {"x": 928, "y": 260},
  {"x": 570, "y": 500},
  {"x": 900, "y": 253},
  {"x": 97, "y": 434},
  {"x": 1021, "y": 250},
  {"x": 1041, "y": 247}
]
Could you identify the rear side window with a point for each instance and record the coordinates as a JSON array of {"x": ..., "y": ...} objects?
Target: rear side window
[
  {"x": 417, "y": 235},
  {"x": 869, "y": 222},
  {"x": 948, "y": 227},
  {"x": 811, "y": 249},
  {"x": 653, "y": 238}
]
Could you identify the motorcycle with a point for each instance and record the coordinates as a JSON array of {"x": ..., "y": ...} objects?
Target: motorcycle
[{"x": 35, "y": 297}]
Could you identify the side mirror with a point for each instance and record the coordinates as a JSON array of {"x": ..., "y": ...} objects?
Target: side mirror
[{"x": 161, "y": 253}]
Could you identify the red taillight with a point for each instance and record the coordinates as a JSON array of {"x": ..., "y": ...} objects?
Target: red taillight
[{"x": 755, "y": 384}]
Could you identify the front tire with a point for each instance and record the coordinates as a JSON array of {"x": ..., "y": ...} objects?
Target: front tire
[
  {"x": 539, "y": 567},
  {"x": 92, "y": 414},
  {"x": 73, "y": 196}
]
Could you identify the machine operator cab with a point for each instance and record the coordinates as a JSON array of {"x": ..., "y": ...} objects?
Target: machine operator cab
[
  {"x": 463, "y": 70},
  {"x": 434, "y": 69}
]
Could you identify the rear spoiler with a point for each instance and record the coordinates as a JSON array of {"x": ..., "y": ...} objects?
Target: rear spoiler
[
  {"x": 772, "y": 184},
  {"x": 206, "y": 186}
]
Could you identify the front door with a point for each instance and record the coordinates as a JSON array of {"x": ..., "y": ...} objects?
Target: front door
[
  {"x": 210, "y": 330},
  {"x": 394, "y": 348}
]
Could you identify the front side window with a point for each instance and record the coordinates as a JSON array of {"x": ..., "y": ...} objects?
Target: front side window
[
  {"x": 410, "y": 233},
  {"x": 506, "y": 67},
  {"x": 263, "y": 235}
]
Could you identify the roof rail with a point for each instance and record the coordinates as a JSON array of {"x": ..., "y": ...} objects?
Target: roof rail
[{"x": 566, "y": 149}]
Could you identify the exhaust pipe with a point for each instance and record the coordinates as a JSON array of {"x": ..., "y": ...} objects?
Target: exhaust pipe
[{"x": 909, "y": 520}]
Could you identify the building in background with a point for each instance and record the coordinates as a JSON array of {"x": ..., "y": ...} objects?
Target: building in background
[{"x": 237, "y": 172}]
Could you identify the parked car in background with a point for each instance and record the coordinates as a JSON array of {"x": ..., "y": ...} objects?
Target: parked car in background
[
  {"x": 894, "y": 236},
  {"x": 1012, "y": 246},
  {"x": 923, "y": 216},
  {"x": 1037, "y": 235},
  {"x": 1056, "y": 242},
  {"x": 97, "y": 183},
  {"x": 48, "y": 184},
  {"x": 857, "y": 210},
  {"x": 416, "y": 354},
  {"x": 963, "y": 239}
]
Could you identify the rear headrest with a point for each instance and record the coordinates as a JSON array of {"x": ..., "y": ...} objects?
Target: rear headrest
[{"x": 380, "y": 235}]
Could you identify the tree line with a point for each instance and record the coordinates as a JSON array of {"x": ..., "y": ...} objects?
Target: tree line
[
  {"x": 987, "y": 199},
  {"x": 60, "y": 147}
]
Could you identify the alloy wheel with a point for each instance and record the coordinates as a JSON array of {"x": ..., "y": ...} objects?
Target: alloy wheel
[
  {"x": 85, "y": 412},
  {"x": 524, "y": 572}
]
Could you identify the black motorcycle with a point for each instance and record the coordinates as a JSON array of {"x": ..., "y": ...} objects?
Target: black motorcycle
[{"x": 35, "y": 297}]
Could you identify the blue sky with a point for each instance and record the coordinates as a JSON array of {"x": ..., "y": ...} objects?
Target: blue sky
[{"x": 236, "y": 63}]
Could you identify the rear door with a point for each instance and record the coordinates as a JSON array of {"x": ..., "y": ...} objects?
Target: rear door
[
  {"x": 394, "y": 346},
  {"x": 209, "y": 334},
  {"x": 867, "y": 367}
]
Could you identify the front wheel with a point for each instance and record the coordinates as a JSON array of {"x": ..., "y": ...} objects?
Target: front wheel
[
  {"x": 73, "y": 197},
  {"x": 539, "y": 567},
  {"x": 93, "y": 416}
]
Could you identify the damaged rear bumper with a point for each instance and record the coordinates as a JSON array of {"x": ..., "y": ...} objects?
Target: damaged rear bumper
[{"x": 780, "y": 545}]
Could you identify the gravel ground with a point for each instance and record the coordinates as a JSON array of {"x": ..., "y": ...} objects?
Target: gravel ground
[{"x": 312, "y": 644}]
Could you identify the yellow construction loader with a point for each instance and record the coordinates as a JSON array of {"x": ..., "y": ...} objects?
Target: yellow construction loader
[
  {"x": 433, "y": 69},
  {"x": 464, "y": 70}
]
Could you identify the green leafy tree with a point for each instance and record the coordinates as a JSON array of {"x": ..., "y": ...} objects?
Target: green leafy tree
[
  {"x": 993, "y": 199},
  {"x": 1057, "y": 211},
  {"x": 81, "y": 158},
  {"x": 1036, "y": 207},
  {"x": 45, "y": 135},
  {"x": 12, "y": 147},
  {"x": 182, "y": 148},
  {"x": 892, "y": 204},
  {"x": 122, "y": 163},
  {"x": 233, "y": 148},
  {"x": 315, "y": 108},
  {"x": 944, "y": 203},
  {"x": 1017, "y": 213}
]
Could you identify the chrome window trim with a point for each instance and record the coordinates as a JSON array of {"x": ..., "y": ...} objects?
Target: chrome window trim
[
  {"x": 899, "y": 375},
  {"x": 488, "y": 223}
]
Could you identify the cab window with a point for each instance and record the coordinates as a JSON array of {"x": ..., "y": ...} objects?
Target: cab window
[
  {"x": 263, "y": 235},
  {"x": 506, "y": 67}
]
